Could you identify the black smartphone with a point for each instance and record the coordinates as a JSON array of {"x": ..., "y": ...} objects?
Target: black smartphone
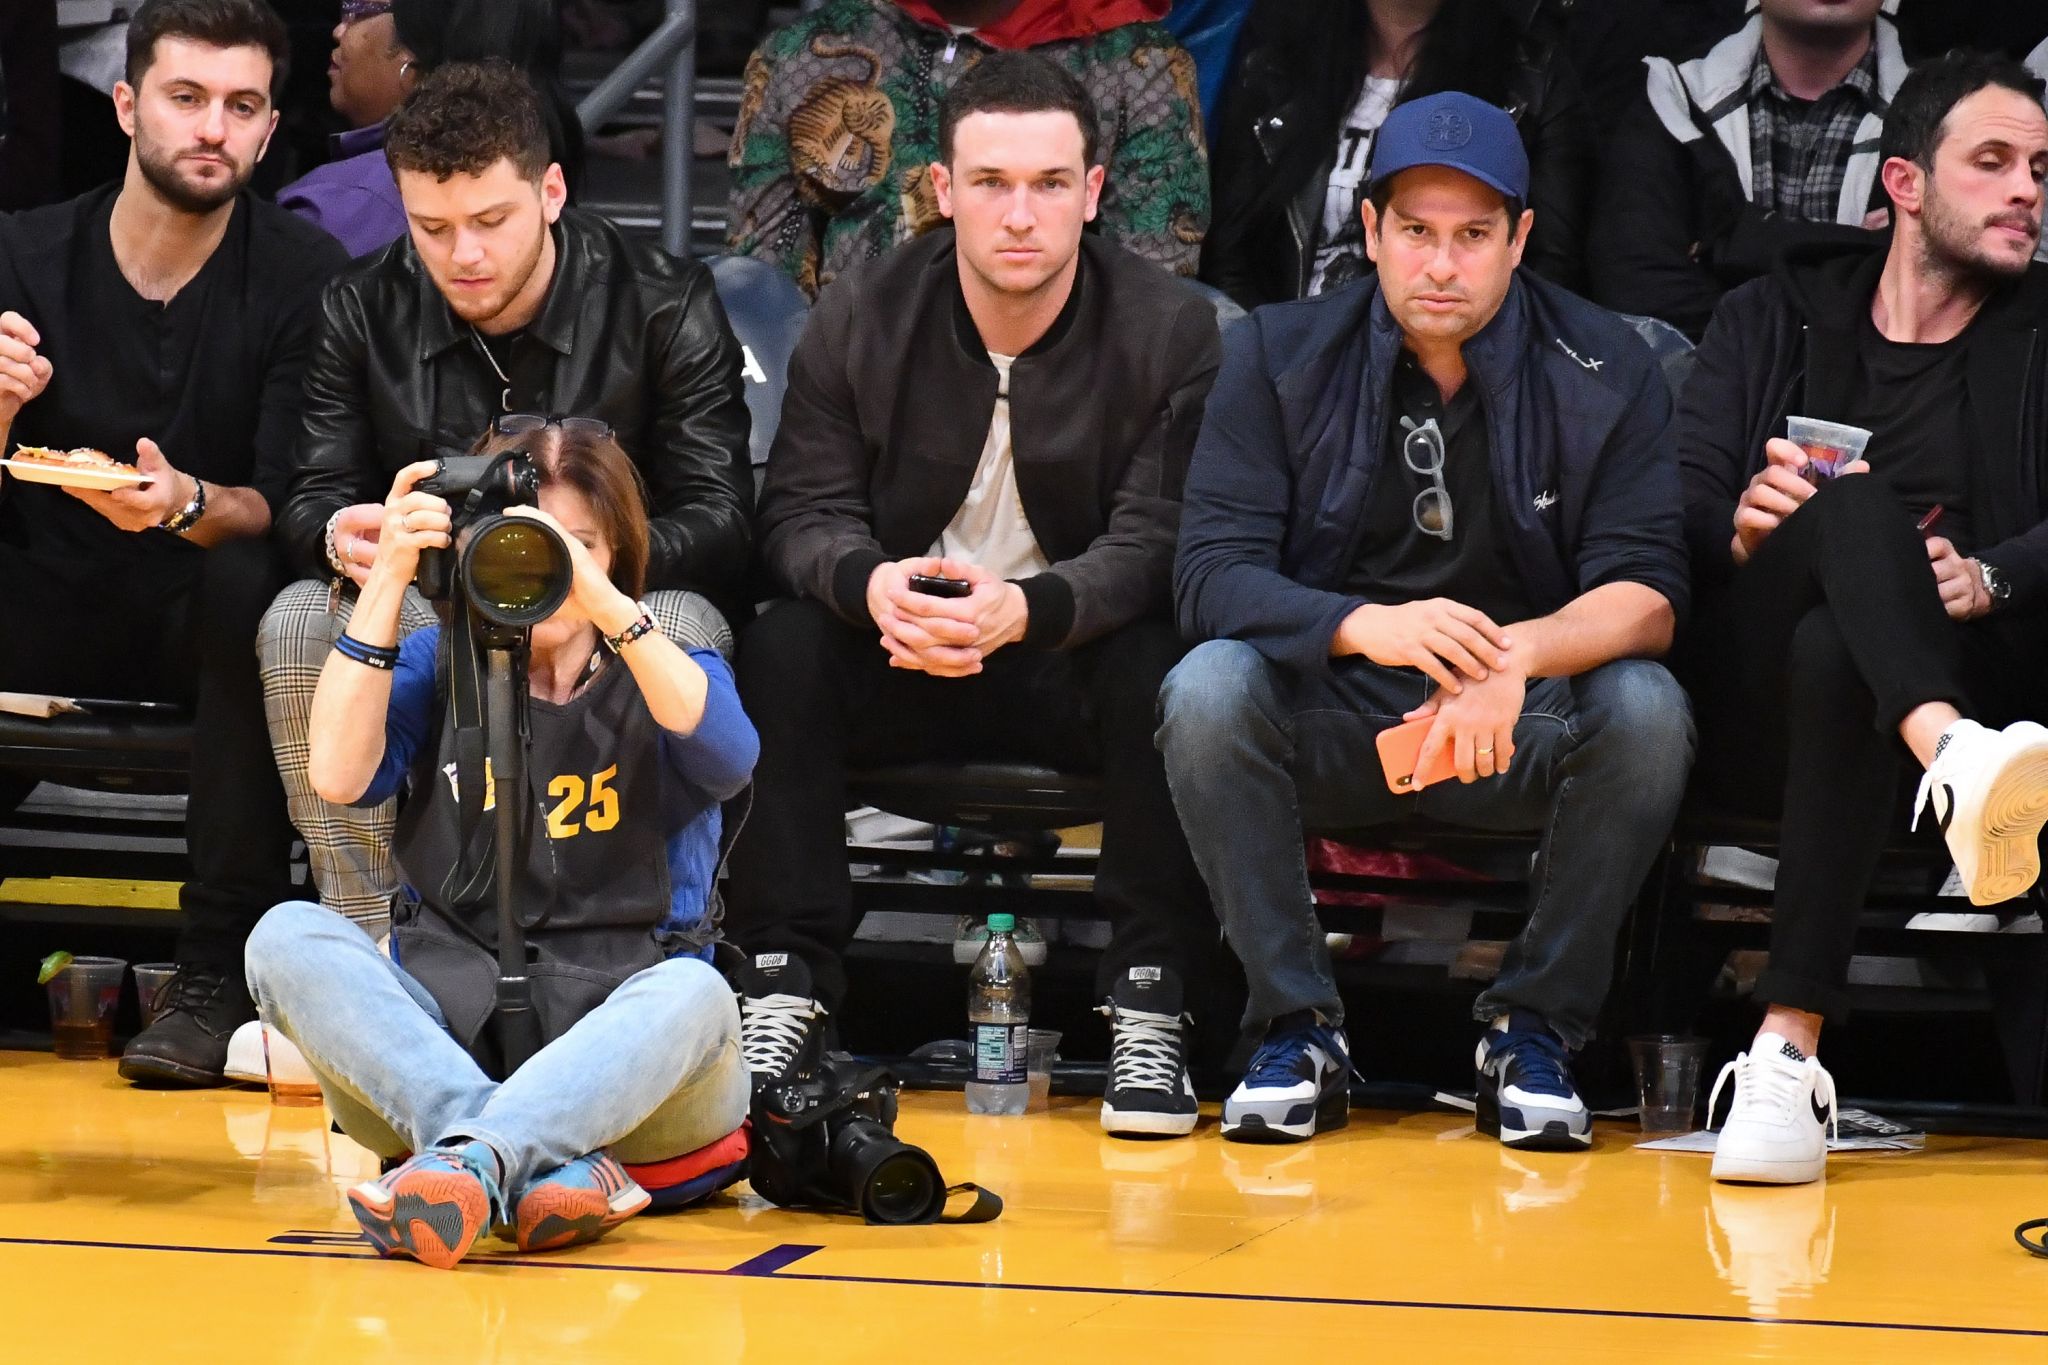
[{"x": 940, "y": 587}]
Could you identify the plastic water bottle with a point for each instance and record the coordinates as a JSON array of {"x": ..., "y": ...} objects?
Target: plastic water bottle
[{"x": 999, "y": 1019}]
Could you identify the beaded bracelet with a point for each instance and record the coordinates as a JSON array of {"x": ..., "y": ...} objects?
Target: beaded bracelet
[
  {"x": 376, "y": 656},
  {"x": 642, "y": 627}
]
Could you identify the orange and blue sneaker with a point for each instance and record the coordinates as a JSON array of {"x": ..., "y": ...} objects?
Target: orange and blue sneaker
[
  {"x": 431, "y": 1209},
  {"x": 575, "y": 1203}
]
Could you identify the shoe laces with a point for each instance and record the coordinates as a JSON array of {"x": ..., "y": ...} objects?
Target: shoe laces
[
  {"x": 773, "y": 1030},
  {"x": 1144, "y": 1050},
  {"x": 1770, "y": 1093},
  {"x": 1278, "y": 1060},
  {"x": 190, "y": 990},
  {"x": 1539, "y": 1062}
]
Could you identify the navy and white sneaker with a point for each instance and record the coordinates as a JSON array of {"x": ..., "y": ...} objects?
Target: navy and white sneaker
[
  {"x": 782, "y": 1027},
  {"x": 1150, "y": 1093},
  {"x": 1526, "y": 1095},
  {"x": 1298, "y": 1084}
]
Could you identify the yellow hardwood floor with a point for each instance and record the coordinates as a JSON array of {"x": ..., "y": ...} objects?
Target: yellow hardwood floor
[{"x": 162, "y": 1227}]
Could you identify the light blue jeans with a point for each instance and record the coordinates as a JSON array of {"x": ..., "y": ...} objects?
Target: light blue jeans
[{"x": 652, "y": 1073}]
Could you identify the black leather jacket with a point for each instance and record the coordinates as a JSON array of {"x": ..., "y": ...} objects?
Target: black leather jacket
[
  {"x": 628, "y": 333},
  {"x": 1268, "y": 259}
]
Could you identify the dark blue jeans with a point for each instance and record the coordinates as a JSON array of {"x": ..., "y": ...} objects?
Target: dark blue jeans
[{"x": 1600, "y": 765}]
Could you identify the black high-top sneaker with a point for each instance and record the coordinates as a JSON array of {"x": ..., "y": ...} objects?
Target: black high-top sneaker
[
  {"x": 1149, "y": 1092},
  {"x": 782, "y": 1026}
]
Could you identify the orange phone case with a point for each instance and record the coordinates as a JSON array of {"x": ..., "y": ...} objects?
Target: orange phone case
[{"x": 1401, "y": 746}]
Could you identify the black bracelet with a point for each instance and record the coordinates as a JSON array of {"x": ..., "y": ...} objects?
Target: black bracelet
[{"x": 376, "y": 656}]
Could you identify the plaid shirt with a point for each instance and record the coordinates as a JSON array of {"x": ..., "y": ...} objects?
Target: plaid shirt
[{"x": 1808, "y": 142}]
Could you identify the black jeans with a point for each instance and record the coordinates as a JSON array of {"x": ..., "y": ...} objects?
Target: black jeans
[
  {"x": 1802, "y": 668},
  {"x": 184, "y": 632},
  {"x": 826, "y": 701}
]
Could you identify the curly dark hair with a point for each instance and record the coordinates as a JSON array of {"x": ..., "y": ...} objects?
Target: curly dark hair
[
  {"x": 216, "y": 23},
  {"x": 465, "y": 117}
]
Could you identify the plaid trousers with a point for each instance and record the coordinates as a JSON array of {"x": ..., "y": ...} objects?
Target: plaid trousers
[{"x": 349, "y": 847}]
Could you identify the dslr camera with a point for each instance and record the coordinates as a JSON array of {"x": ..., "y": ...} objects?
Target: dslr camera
[
  {"x": 828, "y": 1142},
  {"x": 511, "y": 571}
]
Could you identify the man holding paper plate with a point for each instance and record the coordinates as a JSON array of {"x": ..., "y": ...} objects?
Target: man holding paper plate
[{"x": 164, "y": 321}]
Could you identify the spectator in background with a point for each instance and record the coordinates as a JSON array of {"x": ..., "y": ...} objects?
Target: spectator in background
[
  {"x": 166, "y": 320},
  {"x": 1769, "y": 139},
  {"x": 1315, "y": 78},
  {"x": 838, "y": 126},
  {"x": 31, "y": 125},
  {"x": 381, "y": 49},
  {"x": 1208, "y": 29}
]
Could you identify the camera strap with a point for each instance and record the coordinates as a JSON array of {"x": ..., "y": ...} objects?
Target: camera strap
[
  {"x": 470, "y": 881},
  {"x": 987, "y": 1206}
]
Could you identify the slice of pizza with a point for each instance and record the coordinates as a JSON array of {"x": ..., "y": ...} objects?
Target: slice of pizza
[{"x": 80, "y": 457}]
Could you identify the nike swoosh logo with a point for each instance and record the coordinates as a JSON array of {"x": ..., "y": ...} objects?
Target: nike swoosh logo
[{"x": 1820, "y": 1111}]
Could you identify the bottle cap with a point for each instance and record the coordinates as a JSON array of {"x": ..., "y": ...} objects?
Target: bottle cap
[{"x": 1002, "y": 924}]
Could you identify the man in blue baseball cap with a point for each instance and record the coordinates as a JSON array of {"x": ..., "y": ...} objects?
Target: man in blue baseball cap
[{"x": 1440, "y": 497}]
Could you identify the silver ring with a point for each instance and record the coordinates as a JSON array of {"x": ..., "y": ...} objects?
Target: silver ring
[
  {"x": 1484, "y": 753},
  {"x": 406, "y": 521}
]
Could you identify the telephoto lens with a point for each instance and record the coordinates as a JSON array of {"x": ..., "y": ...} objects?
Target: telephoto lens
[
  {"x": 888, "y": 1180},
  {"x": 515, "y": 571}
]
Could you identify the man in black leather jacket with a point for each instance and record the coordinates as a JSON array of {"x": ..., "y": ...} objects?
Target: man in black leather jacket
[{"x": 501, "y": 300}]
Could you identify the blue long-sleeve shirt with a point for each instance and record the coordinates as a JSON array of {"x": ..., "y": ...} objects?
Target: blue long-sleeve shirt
[{"x": 708, "y": 766}]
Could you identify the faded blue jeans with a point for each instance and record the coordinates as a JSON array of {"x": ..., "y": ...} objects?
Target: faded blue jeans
[
  {"x": 652, "y": 1073},
  {"x": 1600, "y": 764}
]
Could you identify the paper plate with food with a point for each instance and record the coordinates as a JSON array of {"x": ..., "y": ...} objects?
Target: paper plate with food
[{"x": 80, "y": 468}]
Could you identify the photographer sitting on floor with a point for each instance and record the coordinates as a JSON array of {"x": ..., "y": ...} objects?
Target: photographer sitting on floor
[{"x": 627, "y": 767}]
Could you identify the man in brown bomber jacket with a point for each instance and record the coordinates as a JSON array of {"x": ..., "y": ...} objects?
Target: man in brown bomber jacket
[{"x": 1008, "y": 405}]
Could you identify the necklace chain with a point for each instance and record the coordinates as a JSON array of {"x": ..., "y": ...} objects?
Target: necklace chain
[{"x": 504, "y": 398}]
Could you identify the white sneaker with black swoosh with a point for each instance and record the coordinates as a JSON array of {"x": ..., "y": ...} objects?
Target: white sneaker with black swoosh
[
  {"x": 1989, "y": 791},
  {"x": 1779, "y": 1119}
]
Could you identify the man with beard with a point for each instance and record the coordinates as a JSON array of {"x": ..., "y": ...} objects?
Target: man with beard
[
  {"x": 1845, "y": 622},
  {"x": 165, "y": 320}
]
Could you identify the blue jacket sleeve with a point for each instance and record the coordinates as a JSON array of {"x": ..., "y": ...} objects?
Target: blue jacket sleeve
[
  {"x": 1634, "y": 528},
  {"x": 717, "y": 758},
  {"x": 408, "y": 718},
  {"x": 1227, "y": 579}
]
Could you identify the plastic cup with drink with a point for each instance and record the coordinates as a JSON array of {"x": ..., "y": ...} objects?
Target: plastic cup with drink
[
  {"x": 84, "y": 992},
  {"x": 1829, "y": 446}
]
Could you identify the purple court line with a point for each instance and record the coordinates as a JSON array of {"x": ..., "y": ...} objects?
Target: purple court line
[{"x": 784, "y": 1255}]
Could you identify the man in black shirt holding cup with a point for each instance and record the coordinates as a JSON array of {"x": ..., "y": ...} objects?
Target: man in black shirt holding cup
[
  {"x": 164, "y": 321},
  {"x": 1846, "y": 620}
]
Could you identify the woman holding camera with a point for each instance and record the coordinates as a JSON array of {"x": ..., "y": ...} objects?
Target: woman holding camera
[{"x": 634, "y": 745}]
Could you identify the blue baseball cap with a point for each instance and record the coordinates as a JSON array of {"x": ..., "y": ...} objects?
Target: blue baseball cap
[{"x": 1456, "y": 130}]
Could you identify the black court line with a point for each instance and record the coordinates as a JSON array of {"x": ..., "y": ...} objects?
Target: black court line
[{"x": 767, "y": 1266}]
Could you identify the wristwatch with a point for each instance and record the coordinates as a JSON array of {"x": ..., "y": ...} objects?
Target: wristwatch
[
  {"x": 1995, "y": 585},
  {"x": 186, "y": 517}
]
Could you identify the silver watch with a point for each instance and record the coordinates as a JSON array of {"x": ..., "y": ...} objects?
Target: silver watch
[{"x": 1996, "y": 587}]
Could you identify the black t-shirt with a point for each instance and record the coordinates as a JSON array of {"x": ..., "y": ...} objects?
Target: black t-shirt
[
  {"x": 1912, "y": 400},
  {"x": 213, "y": 376},
  {"x": 1396, "y": 561}
]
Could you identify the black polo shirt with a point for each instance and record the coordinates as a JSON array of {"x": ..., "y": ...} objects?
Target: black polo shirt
[{"x": 212, "y": 376}]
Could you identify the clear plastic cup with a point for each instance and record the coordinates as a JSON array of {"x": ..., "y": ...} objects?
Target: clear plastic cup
[
  {"x": 1668, "y": 1067},
  {"x": 1042, "y": 1049},
  {"x": 1828, "y": 445},
  {"x": 290, "y": 1081},
  {"x": 150, "y": 980},
  {"x": 82, "y": 1001}
]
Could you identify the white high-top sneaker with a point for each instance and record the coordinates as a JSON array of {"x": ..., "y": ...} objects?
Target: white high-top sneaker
[
  {"x": 1989, "y": 790},
  {"x": 1779, "y": 1120}
]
